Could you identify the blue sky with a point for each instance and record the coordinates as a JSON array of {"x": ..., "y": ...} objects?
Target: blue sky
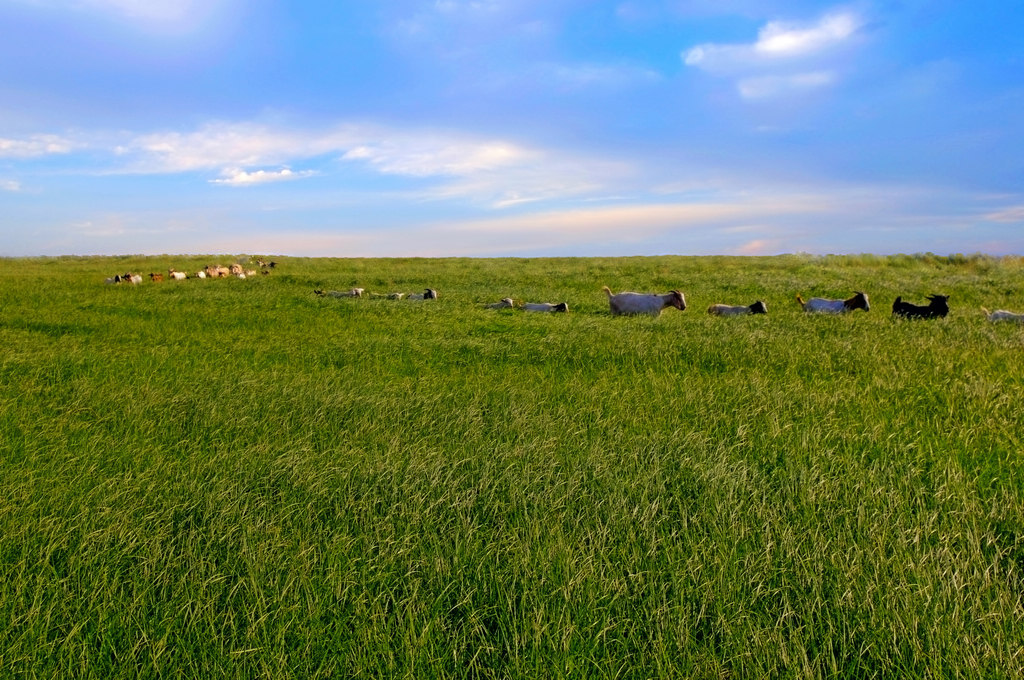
[{"x": 510, "y": 127}]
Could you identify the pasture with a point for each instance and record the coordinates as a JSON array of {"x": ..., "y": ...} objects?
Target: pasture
[{"x": 237, "y": 478}]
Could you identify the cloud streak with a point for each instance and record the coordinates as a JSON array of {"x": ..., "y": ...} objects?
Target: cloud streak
[
  {"x": 237, "y": 177},
  {"x": 36, "y": 146},
  {"x": 427, "y": 164},
  {"x": 448, "y": 165}
]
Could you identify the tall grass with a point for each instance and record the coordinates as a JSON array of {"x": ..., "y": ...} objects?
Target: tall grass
[{"x": 239, "y": 479}]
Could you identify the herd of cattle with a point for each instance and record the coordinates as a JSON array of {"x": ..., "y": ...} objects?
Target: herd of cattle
[
  {"x": 620, "y": 304},
  {"x": 632, "y": 304},
  {"x": 210, "y": 271}
]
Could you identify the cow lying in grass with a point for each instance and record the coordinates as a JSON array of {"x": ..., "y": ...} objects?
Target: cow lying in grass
[
  {"x": 353, "y": 292},
  {"x": 758, "y": 307},
  {"x": 546, "y": 306},
  {"x": 818, "y": 305},
  {"x": 1003, "y": 315},
  {"x": 503, "y": 303},
  {"x": 937, "y": 307}
]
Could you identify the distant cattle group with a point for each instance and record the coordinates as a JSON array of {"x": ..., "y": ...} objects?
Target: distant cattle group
[
  {"x": 127, "y": 277},
  {"x": 210, "y": 271},
  {"x": 625, "y": 303}
]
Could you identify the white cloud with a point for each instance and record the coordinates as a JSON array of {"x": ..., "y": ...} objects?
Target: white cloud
[
  {"x": 776, "y": 41},
  {"x": 786, "y": 57},
  {"x": 454, "y": 165},
  {"x": 237, "y": 177},
  {"x": 35, "y": 146},
  {"x": 10, "y": 185},
  {"x": 433, "y": 155},
  {"x": 235, "y": 146},
  {"x": 779, "y": 38},
  {"x": 225, "y": 145}
]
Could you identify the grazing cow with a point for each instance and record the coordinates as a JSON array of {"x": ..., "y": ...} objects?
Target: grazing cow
[
  {"x": 236, "y": 269},
  {"x": 758, "y": 307},
  {"x": 546, "y": 307},
  {"x": 122, "y": 278},
  {"x": 830, "y": 306},
  {"x": 176, "y": 275},
  {"x": 133, "y": 278},
  {"x": 1003, "y": 315},
  {"x": 201, "y": 274},
  {"x": 629, "y": 303},
  {"x": 156, "y": 277},
  {"x": 428, "y": 294},
  {"x": 937, "y": 307},
  {"x": 217, "y": 271},
  {"x": 504, "y": 303},
  {"x": 354, "y": 292}
]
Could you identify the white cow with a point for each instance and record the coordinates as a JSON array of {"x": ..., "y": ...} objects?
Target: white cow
[
  {"x": 354, "y": 292},
  {"x": 546, "y": 307},
  {"x": 818, "y": 305},
  {"x": 504, "y": 303},
  {"x": 651, "y": 304},
  {"x": 758, "y": 307},
  {"x": 1003, "y": 315}
]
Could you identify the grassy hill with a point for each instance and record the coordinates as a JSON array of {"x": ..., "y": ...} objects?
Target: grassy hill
[{"x": 237, "y": 478}]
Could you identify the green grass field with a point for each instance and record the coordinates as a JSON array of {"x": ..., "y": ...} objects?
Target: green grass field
[{"x": 235, "y": 479}]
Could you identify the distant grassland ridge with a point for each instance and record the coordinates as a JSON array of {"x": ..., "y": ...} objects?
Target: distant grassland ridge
[{"x": 237, "y": 478}]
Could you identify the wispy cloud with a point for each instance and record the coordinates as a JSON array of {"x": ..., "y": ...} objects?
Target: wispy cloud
[
  {"x": 782, "y": 39},
  {"x": 1007, "y": 215},
  {"x": 36, "y": 146},
  {"x": 11, "y": 185},
  {"x": 227, "y": 145},
  {"x": 437, "y": 154},
  {"x": 237, "y": 177},
  {"x": 447, "y": 164},
  {"x": 623, "y": 229},
  {"x": 776, "y": 41},
  {"x": 495, "y": 172},
  {"x": 786, "y": 57}
]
